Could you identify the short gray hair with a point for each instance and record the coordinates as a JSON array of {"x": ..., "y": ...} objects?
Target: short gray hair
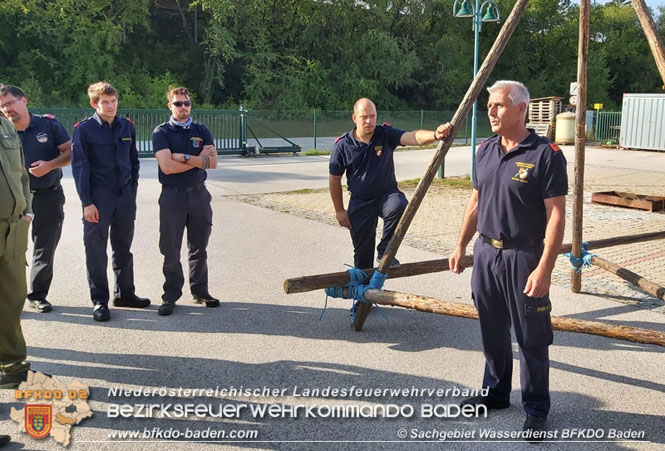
[{"x": 517, "y": 92}]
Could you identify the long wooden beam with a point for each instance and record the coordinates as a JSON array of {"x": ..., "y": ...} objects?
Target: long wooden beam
[
  {"x": 471, "y": 95},
  {"x": 580, "y": 140},
  {"x": 629, "y": 276},
  {"x": 617, "y": 240},
  {"x": 316, "y": 282},
  {"x": 653, "y": 37},
  {"x": 309, "y": 283},
  {"x": 562, "y": 323}
]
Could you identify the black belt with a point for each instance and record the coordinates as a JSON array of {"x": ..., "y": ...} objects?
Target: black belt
[
  {"x": 510, "y": 244},
  {"x": 50, "y": 189},
  {"x": 186, "y": 189}
]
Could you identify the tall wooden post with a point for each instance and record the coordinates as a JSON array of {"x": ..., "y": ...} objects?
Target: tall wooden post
[
  {"x": 580, "y": 140},
  {"x": 653, "y": 37},
  {"x": 441, "y": 151}
]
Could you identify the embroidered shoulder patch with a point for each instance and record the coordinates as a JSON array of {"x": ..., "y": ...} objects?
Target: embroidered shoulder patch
[
  {"x": 337, "y": 139},
  {"x": 386, "y": 124},
  {"x": 49, "y": 116},
  {"x": 555, "y": 147}
]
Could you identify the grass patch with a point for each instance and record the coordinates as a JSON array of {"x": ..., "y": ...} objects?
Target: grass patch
[
  {"x": 307, "y": 191},
  {"x": 450, "y": 182},
  {"x": 313, "y": 152}
]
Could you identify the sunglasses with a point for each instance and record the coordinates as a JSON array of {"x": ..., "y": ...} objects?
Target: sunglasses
[{"x": 185, "y": 103}]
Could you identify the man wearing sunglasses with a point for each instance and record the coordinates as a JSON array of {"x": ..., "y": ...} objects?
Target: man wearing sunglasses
[
  {"x": 184, "y": 150},
  {"x": 105, "y": 166}
]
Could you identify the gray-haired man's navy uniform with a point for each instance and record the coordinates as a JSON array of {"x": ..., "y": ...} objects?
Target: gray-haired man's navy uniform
[
  {"x": 105, "y": 166},
  {"x": 512, "y": 188},
  {"x": 370, "y": 173},
  {"x": 184, "y": 203},
  {"x": 40, "y": 142}
]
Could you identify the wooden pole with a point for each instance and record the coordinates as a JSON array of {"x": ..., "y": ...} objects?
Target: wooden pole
[
  {"x": 615, "y": 241},
  {"x": 309, "y": 283},
  {"x": 431, "y": 305},
  {"x": 629, "y": 276},
  {"x": 442, "y": 149},
  {"x": 316, "y": 282},
  {"x": 580, "y": 140},
  {"x": 653, "y": 37}
]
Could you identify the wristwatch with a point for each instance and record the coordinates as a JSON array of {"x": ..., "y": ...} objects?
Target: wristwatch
[{"x": 186, "y": 157}]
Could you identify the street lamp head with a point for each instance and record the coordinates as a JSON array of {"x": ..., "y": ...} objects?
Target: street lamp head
[
  {"x": 465, "y": 9},
  {"x": 492, "y": 14}
]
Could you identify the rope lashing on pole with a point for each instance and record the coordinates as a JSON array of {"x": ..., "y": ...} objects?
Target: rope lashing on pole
[
  {"x": 355, "y": 289},
  {"x": 583, "y": 261}
]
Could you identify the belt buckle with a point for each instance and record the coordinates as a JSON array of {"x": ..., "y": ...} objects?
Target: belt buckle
[{"x": 497, "y": 244}]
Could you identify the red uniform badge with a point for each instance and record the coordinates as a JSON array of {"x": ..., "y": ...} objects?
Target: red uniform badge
[
  {"x": 555, "y": 147},
  {"x": 38, "y": 420}
]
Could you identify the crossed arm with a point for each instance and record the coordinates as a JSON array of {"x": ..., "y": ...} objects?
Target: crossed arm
[
  {"x": 40, "y": 167},
  {"x": 174, "y": 163}
]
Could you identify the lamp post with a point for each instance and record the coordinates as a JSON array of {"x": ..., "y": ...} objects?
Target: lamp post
[{"x": 492, "y": 14}]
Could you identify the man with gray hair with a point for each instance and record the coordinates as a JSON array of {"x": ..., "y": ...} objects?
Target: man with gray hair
[{"x": 518, "y": 208}]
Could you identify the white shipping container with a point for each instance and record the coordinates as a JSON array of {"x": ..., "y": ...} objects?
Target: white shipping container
[{"x": 643, "y": 122}]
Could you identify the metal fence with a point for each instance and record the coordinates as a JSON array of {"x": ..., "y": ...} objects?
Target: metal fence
[
  {"x": 236, "y": 131},
  {"x": 607, "y": 126},
  {"x": 227, "y": 127},
  {"x": 316, "y": 129}
]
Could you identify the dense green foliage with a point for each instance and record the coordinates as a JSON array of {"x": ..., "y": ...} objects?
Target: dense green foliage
[{"x": 300, "y": 54}]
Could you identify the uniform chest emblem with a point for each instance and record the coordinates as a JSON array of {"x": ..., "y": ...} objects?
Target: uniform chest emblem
[
  {"x": 523, "y": 170},
  {"x": 378, "y": 150},
  {"x": 196, "y": 141},
  {"x": 42, "y": 137}
]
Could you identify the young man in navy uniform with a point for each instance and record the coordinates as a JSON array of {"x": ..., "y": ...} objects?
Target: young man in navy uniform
[
  {"x": 47, "y": 148},
  {"x": 365, "y": 154},
  {"x": 184, "y": 150},
  {"x": 518, "y": 208},
  {"x": 105, "y": 166}
]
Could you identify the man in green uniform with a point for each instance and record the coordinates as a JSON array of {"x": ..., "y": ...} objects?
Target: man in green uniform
[{"x": 15, "y": 217}]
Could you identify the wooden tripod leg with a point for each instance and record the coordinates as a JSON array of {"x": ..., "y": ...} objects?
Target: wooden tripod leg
[{"x": 471, "y": 95}]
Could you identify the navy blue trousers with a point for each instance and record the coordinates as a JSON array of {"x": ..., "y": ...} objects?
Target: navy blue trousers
[
  {"x": 180, "y": 209},
  {"x": 497, "y": 283},
  {"x": 48, "y": 207},
  {"x": 117, "y": 213},
  {"x": 364, "y": 215}
]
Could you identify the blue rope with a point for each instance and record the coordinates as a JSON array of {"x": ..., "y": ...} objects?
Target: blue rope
[
  {"x": 583, "y": 261},
  {"x": 356, "y": 278},
  {"x": 355, "y": 289},
  {"x": 377, "y": 280}
]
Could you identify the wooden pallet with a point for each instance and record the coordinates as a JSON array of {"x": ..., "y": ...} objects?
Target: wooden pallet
[
  {"x": 638, "y": 201},
  {"x": 545, "y": 129},
  {"x": 545, "y": 109}
]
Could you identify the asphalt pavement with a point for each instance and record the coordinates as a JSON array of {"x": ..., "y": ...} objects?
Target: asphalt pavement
[{"x": 277, "y": 352}]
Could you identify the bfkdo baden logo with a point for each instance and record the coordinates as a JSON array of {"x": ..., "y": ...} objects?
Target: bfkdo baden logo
[
  {"x": 51, "y": 407},
  {"x": 38, "y": 420}
]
